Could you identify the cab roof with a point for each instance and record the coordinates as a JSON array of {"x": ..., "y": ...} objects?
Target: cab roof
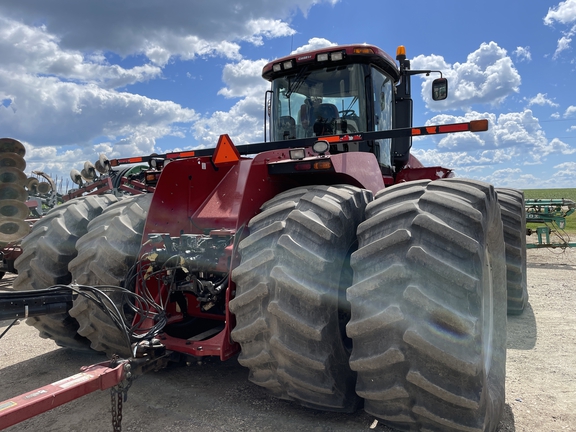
[{"x": 359, "y": 53}]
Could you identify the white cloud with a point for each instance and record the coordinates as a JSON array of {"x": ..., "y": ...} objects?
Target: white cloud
[
  {"x": 187, "y": 47},
  {"x": 487, "y": 77},
  {"x": 32, "y": 50},
  {"x": 459, "y": 160},
  {"x": 560, "y": 147},
  {"x": 570, "y": 111},
  {"x": 511, "y": 177},
  {"x": 565, "y": 173},
  {"x": 183, "y": 28},
  {"x": 567, "y": 166},
  {"x": 268, "y": 28},
  {"x": 314, "y": 44},
  {"x": 76, "y": 114},
  {"x": 244, "y": 79},
  {"x": 541, "y": 99},
  {"x": 523, "y": 54},
  {"x": 564, "y": 13},
  {"x": 243, "y": 123},
  {"x": 512, "y": 137},
  {"x": 564, "y": 42},
  {"x": 61, "y": 96}
]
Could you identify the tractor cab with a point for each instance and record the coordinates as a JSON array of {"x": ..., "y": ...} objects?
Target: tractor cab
[{"x": 344, "y": 90}]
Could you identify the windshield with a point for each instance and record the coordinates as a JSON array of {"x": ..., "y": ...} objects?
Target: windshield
[{"x": 319, "y": 102}]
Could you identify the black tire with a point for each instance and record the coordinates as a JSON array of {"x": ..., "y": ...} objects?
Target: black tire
[
  {"x": 46, "y": 252},
  {"x": 2, "y": 275},
  {"x": 105, "y": 256},
  {"x": 428, "y": 305},
  {"x": 290, "y": 297},
  {"x": 514, "y": 225}
]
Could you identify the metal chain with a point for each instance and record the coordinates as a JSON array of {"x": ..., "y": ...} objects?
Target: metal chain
[{"x": 118, "y": 395}]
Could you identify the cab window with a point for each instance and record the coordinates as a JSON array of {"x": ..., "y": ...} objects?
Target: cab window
[
  {"x": 383, "y": 104},
  {"x": 317, "y": 102}
]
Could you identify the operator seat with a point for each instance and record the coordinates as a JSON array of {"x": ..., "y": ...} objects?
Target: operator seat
[
  {"x": 287, "y": 128},
  {"x": 325, "y": 119}
]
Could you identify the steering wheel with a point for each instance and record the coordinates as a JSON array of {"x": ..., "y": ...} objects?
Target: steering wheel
[{"x": 347, "y": 113}]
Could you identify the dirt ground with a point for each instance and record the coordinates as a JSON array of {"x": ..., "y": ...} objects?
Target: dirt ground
[{"x": 215, "y": 396}]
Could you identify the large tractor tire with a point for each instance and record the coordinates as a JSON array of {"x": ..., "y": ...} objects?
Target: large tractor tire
[
  {"x": 428, "y": 306},
  {"x": 290, "y": 301},
  {"x": 514, "y": 224},
  {"x": 105, "y": 256},
  {"x": 47, "y": 250}
]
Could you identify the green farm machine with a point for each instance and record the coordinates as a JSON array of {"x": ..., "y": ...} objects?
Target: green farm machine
[{"x": 552, "y": 213}]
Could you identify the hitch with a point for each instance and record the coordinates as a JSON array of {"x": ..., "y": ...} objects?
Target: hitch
[
  {"x": 100, "y": 376},
  {"x": 116, "y": 374}
]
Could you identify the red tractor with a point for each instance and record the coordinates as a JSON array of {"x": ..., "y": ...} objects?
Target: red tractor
[{"x": 343, "y": 272}]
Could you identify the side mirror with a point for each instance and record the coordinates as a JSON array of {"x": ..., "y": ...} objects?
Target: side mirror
[{"x": 439, "y": 89}]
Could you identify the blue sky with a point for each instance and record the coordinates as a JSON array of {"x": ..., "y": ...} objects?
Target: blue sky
[{"x": 132, "y": 78}]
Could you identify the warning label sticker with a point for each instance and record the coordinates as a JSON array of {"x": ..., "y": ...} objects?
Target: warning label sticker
[
  {"x": 7, "y": 405},
  {"x": 73, "y": 380}
]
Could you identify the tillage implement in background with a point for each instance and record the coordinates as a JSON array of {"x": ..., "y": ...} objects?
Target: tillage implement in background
[{"x": 552, "y": 213}]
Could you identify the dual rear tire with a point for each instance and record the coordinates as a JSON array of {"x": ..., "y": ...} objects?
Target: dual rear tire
[
  {"x": 427, "y": 303},
  {"x": 92, "y": 240},
  {"x": 514, "y": 224},
  {"x": 429, "y": 307},
  {"x": 106, "y": 254},
  {"x": 47, "y": 250},
  {"x": 289, "y": 302}
]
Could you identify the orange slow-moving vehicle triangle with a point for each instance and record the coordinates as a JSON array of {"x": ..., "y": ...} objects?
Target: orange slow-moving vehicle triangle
[{"x": 225, "y": 152}]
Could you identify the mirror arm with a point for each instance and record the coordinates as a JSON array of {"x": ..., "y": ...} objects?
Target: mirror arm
[{"x": 418, "y": 72}]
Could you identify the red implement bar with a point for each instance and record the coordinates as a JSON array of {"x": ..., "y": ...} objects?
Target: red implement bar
[
  {"x": 250, "y": 149},
  {"x": 91, "y": 378}
]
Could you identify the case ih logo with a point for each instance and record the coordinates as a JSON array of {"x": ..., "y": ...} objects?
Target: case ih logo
[{"x": 306, "y": 57}]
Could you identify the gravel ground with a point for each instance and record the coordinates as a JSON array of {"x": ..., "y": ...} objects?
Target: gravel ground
[{"x": 216, "y": 396}]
